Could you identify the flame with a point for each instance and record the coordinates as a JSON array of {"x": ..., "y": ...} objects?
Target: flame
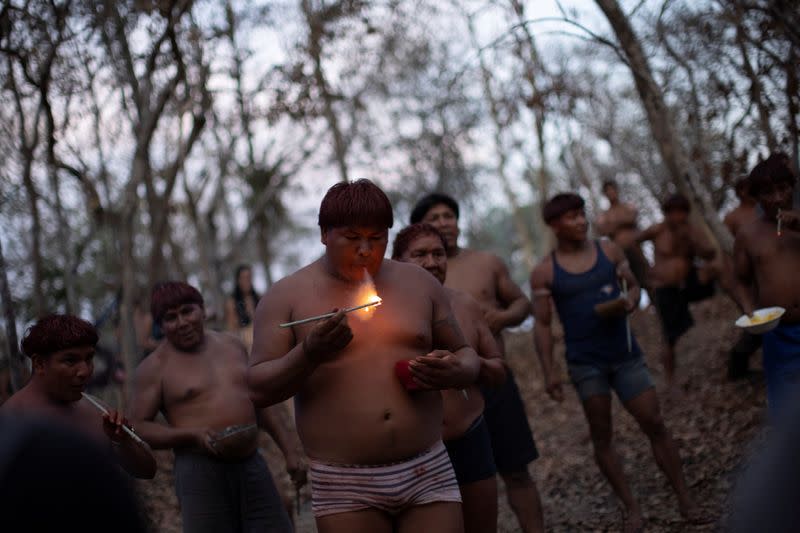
[{"x": 366, "y": 294}]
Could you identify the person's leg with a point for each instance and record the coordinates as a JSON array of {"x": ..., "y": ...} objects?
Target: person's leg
[
  {"x": 598, "y": 413},
  {"x": 645, "y": 410},
  {"x": 205, "y": 495},
  {"x": 668, "y": 362},
  {"x": 514, "y": 449},
  {"x": 262, "y": 508},
  {"x": 523, "y": 498},
  {"x": 364, "y": 521},
  {"x": 479, "y": 506},
  {"x": 473, "y": 464},
  {"x": 738, "y": 363},
  {"x": 442, "y": 517}
]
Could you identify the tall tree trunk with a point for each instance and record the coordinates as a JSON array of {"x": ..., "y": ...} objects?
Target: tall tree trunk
[
  {"x": 756, "y": 92},
  {"x": 36, "y": 237},
  {"x": 16, "y": 361},
  {"x": 683, "y": 173},
  {"x": 793, "y": 99},
  {"x": 316, "y": 32},
  {"x": 532, "y": 63},
  {"x": 520, "y": 224}
]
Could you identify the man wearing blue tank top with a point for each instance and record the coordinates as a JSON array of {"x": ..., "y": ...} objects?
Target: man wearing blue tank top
[{"x": 581, "y": 277}]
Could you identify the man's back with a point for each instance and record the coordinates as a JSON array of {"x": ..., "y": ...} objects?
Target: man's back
[{"x": 741, "y": 216}]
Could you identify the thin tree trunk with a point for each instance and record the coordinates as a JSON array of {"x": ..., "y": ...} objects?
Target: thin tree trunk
[
  {"x": 315, "y": 33},
  {"x": 520, "y": 224},
  {"x": 19, "y": 370},
  {"x": 793, "y": 100},
  {"x": 756, "y": 92},
  {"x": 683, "y": 174},
  {"x": 536, "y": 103}
]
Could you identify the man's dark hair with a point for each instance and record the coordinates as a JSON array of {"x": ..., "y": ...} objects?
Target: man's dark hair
[
  {"x": 774, "y": 169},
  {"x": 169, "y": 294},
  {"x": 676, "y": 202},
  {"x": 609, "y": 183},
  {"x": 743, "y": 186},
  {"x": 560, "y": 204},
  {"x": 355, "y": 203},
  {"x": 426, "y": 203},
  {"x": 408, "y": 234},
  {"x": 54, "y": 333}
]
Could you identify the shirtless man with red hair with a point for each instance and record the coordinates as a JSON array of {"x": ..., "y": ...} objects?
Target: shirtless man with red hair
[
  {"x": 376, "y": 458},
  {"x": 197, "y": 380},
  {"x": 465, "y": 432},
  {"x": 61, "y": 349}
]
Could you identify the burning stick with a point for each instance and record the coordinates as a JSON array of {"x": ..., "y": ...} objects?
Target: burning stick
[
  {"x": 102, "y": 409},
  {"x": 627, "y": 316},
  {"x": 328, "y": 315},
  {"x": 779, "y": 222}
]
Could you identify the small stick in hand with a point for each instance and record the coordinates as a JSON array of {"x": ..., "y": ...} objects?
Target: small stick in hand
[
  {"x": 779, "y": 222},
  {"x": 102, "y": 409}
]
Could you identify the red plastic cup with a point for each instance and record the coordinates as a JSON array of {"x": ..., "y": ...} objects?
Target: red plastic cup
[{"x": 403, "y": 372}]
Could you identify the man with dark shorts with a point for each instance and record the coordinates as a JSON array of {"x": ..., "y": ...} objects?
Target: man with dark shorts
[
  {"x": 465, "y": 433},
  {"x": 197, "y": 380},
  {"x": 618, "y": 223},
  {"x": 767, "y": 258},
  {"x": 740, "y": 217},
  {"x": 61, "y": 349},
  {"x": 577, "y": 277},
  {"x": 676, "y": 277},
  {"x": 485, "y": 277},
  {"x": 372, "y": 435}
]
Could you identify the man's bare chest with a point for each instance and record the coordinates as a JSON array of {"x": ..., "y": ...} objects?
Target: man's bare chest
[{"x": 476, "y": 280}]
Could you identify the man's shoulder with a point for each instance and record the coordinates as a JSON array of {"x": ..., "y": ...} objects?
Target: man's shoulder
[
  {"x": 481, "y": 257},
  {"x": 401, "y": 270},
  {"x": 542, "y": 273}
]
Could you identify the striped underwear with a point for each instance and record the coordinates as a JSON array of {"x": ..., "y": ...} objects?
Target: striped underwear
[{"x": 425, "y": 478}]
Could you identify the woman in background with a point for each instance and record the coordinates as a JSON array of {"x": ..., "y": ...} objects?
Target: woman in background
[{"x": 241, "y": 306}]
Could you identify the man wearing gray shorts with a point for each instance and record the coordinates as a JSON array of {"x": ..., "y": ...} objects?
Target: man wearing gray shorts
[{"x": 581, "y": 277}]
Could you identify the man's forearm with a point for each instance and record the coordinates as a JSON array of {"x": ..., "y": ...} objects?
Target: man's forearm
[
  {"x": 517, "y": 312},
  {"x": 543, "y": 341},
  {"x": 273, "y": 421},
  {"x": 137, "y": 460},
  {"x": 471, "y": 365},
  {"x": 279, "y": 379},
  {"x": 161, "y": 437},
  {"x": 493, "y": 372}
]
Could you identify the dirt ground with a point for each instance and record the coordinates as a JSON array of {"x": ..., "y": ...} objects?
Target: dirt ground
[{"x": 714, "y": 423}]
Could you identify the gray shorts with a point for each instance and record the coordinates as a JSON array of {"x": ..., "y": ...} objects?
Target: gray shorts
[
  {"x": 228, "y": 497},
  {"x": 628, "y": 378}
]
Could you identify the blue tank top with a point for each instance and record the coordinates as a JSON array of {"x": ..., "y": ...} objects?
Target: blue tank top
[{"x": 588, "y": 337}]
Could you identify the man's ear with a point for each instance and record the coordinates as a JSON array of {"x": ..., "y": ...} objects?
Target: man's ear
[
  {"x": 323, "y": 236},
  {"x": 37, "y": 364}
]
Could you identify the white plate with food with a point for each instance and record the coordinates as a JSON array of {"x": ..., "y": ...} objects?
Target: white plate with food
[{"x": 762, "y": 320}]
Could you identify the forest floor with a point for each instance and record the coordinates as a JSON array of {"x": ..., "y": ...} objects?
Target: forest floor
[{"x": 714, "y": 423}]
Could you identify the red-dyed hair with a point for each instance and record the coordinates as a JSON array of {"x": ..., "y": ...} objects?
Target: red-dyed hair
[
  {"x": 169, "y": 294},
  {"x": 407, "y": 235},
  {"x": 355, "y": 203},
  {"x": 54, "y": 333}
]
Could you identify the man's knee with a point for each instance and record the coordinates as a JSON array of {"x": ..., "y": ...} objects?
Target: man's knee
[
  {"x": 518, "y": 478},
  {"x": 653, "y": 426}
]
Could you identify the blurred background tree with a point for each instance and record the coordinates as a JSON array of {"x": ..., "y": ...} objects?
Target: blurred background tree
[{"x": 149, "y": 139}]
